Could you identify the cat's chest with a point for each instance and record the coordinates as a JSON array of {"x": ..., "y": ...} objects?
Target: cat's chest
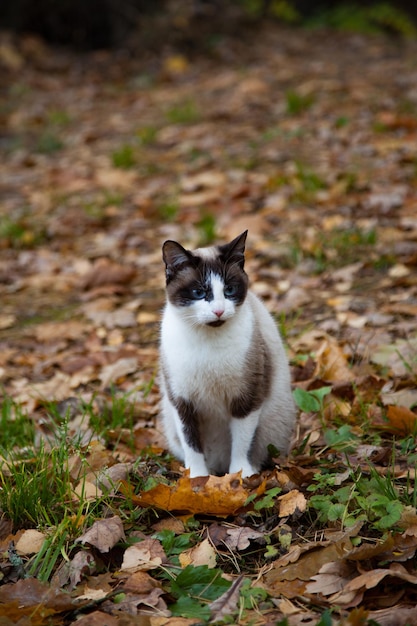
[{"x": 196, "y": 360}]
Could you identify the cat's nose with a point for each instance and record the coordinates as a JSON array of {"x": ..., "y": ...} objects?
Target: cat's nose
[{"x": 218, "y": 312}]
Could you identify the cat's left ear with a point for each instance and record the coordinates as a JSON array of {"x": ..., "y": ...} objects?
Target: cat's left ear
[
  {"x": 174, "y": 256},
  {"x": 235, "y": 250}
]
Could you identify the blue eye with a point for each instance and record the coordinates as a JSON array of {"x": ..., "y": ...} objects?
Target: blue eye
[
  {"x": 198, "y": 294},
  {"x": 230, "y": 291}
]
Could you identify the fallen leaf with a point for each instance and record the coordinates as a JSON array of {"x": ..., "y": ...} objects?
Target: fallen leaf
[
  {"x": 240, "y": 538},
  {"x": 402, "y": 420},
  {"x": 212, "y": 495},
  {"x": 98, "y": 618},
  {"x": 30, "y": 542},
  {"x": 103, "y": 534},
  {"x": 227, "y": 603},
  {"x": 83, "y": 563},
  {"x": 7, "y": 321},
  {"x": 118, "y": 370},
  {"x": 332, "y": 362},
  {"x": 353, "y": 591},
  {"x": 331, "y": 578},
  {"x": 105, "y": 272},
  {"x": 293, "y": 502},
  {"x": 201, "y": 554},
  {"x": 145, "y": 555},
  {"x": 92, "y": 594},
  {"x": 31, "y": 592}
]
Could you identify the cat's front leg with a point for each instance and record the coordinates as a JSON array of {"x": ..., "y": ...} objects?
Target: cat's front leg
[
  {"x": 243, "y": 432},
  {"x": 189, "y": 434}
]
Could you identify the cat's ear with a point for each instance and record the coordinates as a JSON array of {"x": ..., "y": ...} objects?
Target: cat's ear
[
  {"x": 235, "y": 250},
  {"x": 174, "y": 255}
]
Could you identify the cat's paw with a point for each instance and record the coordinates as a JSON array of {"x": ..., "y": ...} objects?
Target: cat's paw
[{"x": 244, "y": 466}]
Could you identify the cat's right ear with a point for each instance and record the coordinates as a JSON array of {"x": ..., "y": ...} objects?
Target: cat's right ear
[{"x": 174, "y": 256}]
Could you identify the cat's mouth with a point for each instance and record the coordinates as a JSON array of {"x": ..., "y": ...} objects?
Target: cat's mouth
[{"x": 216, "y": 323}]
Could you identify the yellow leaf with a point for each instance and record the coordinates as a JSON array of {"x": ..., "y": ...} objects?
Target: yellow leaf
[{"x": 211, "y": 495}]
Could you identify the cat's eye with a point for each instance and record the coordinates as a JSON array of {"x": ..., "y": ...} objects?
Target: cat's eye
[
  {"x": 198, "y": 293},
  {"x": 230, "y": 290}
]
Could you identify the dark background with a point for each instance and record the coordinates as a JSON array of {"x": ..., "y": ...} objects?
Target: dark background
[{"x": 95, "y": 24}]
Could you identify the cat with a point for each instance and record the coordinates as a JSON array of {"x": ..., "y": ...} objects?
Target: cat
[{"x": 224, "y": 376}]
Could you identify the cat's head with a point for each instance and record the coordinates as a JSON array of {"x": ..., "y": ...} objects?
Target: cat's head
[{"x": 208, "y": 284}]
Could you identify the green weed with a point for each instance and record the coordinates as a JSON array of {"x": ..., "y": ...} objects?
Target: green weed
[
  {"x": 335, "y": 248},
  {"x": 114, "y": 417},
  {"x": 49, "y": 143},
  {"x": 147, "y": 135},
  {"x": 185, "y": 112},
  {"x": 124, "y": 157},
  {"x": 376, "y": 18},
  {"x": 25, "y": 486},
  {"x": 283, "y": 10},
  {"x": 17, "y": 430},
  {"x": 375, "y": 500},
  {"x": 297, "y": 103},
  {"x": 21, "y": 231},
  {"x": 58, "y": 117},
  {"x": 193, "y": 588},
  {"x": 207, "y": 229},
  {"x": 311, "y": 401},
  {"x": 168, "y": 210}
]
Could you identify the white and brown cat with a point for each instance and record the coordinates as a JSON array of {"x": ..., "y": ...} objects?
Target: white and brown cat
[{"x": 225, "y": 381}]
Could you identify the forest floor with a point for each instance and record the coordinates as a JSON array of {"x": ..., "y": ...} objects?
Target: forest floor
[{"x": 308, "y": 139}]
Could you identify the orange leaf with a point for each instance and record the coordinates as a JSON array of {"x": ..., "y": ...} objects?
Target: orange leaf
[
  {"x": 402, "y": 420},
  {"x": 212, "y": 495},
  {"x": 332, "y": 362}
]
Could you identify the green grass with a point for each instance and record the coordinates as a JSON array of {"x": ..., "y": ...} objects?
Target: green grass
[
  {"x": 184, "y": 112},
  {"x": 377, "y": 18},
  {"x": 334, "y": 248},
  {"x": 21, "y": 231},
  {"x": 297, "y": 103},
  {"x": 124, "y": 157},
  {"x": 17, "y": 430},
  {"x": 168, "y": 209},
  {"x": 49, "y": 143},
  {"x": 114, "y": 417}
]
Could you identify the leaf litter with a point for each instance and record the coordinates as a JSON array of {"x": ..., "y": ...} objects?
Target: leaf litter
[{"x": 328, "y": 193}]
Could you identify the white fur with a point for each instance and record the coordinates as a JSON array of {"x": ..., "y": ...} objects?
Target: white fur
[{"x": 206, "y": 365}]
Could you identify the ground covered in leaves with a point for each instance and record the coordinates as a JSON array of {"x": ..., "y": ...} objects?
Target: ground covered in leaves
[{"x": 309, "y": 140}]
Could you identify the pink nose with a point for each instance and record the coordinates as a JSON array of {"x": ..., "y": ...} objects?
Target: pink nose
[{"x": 218, "y": 312}]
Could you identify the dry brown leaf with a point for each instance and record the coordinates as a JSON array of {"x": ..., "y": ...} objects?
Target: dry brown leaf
[
  {"x": 94, "y": 595},
  {"x": 212, "y": 495},
  {"x": 139, "y": 582},
  {"x": 353, "y": 591},
  {"x": 293, "y": 502},
  {"x": 98, "y": 618},
  {"x": 227, "y": 603},
  {"x": 53, "y": 331},
  {"x": 30, "y": 542},
  {"x": 86, "y": 490},
  {"x": 201, "y": 554},
  {"x": 31, "y": 592},
  {"x": 332, "y": 362},
  {"x": 394, "y": 616},
  {"x": 118, "y": 370},
  {"x": 103, "y": 534},
  {"x": 145, "y": 555},
  {"x": 105, "y": 272},
  {"x": 73, "y": 571},
  {"x": 305, "y": 562},
  {"x": 239, "y": 538},
  {"x": 331, "y": 578},
  {"x": 402, "y": 420}
]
